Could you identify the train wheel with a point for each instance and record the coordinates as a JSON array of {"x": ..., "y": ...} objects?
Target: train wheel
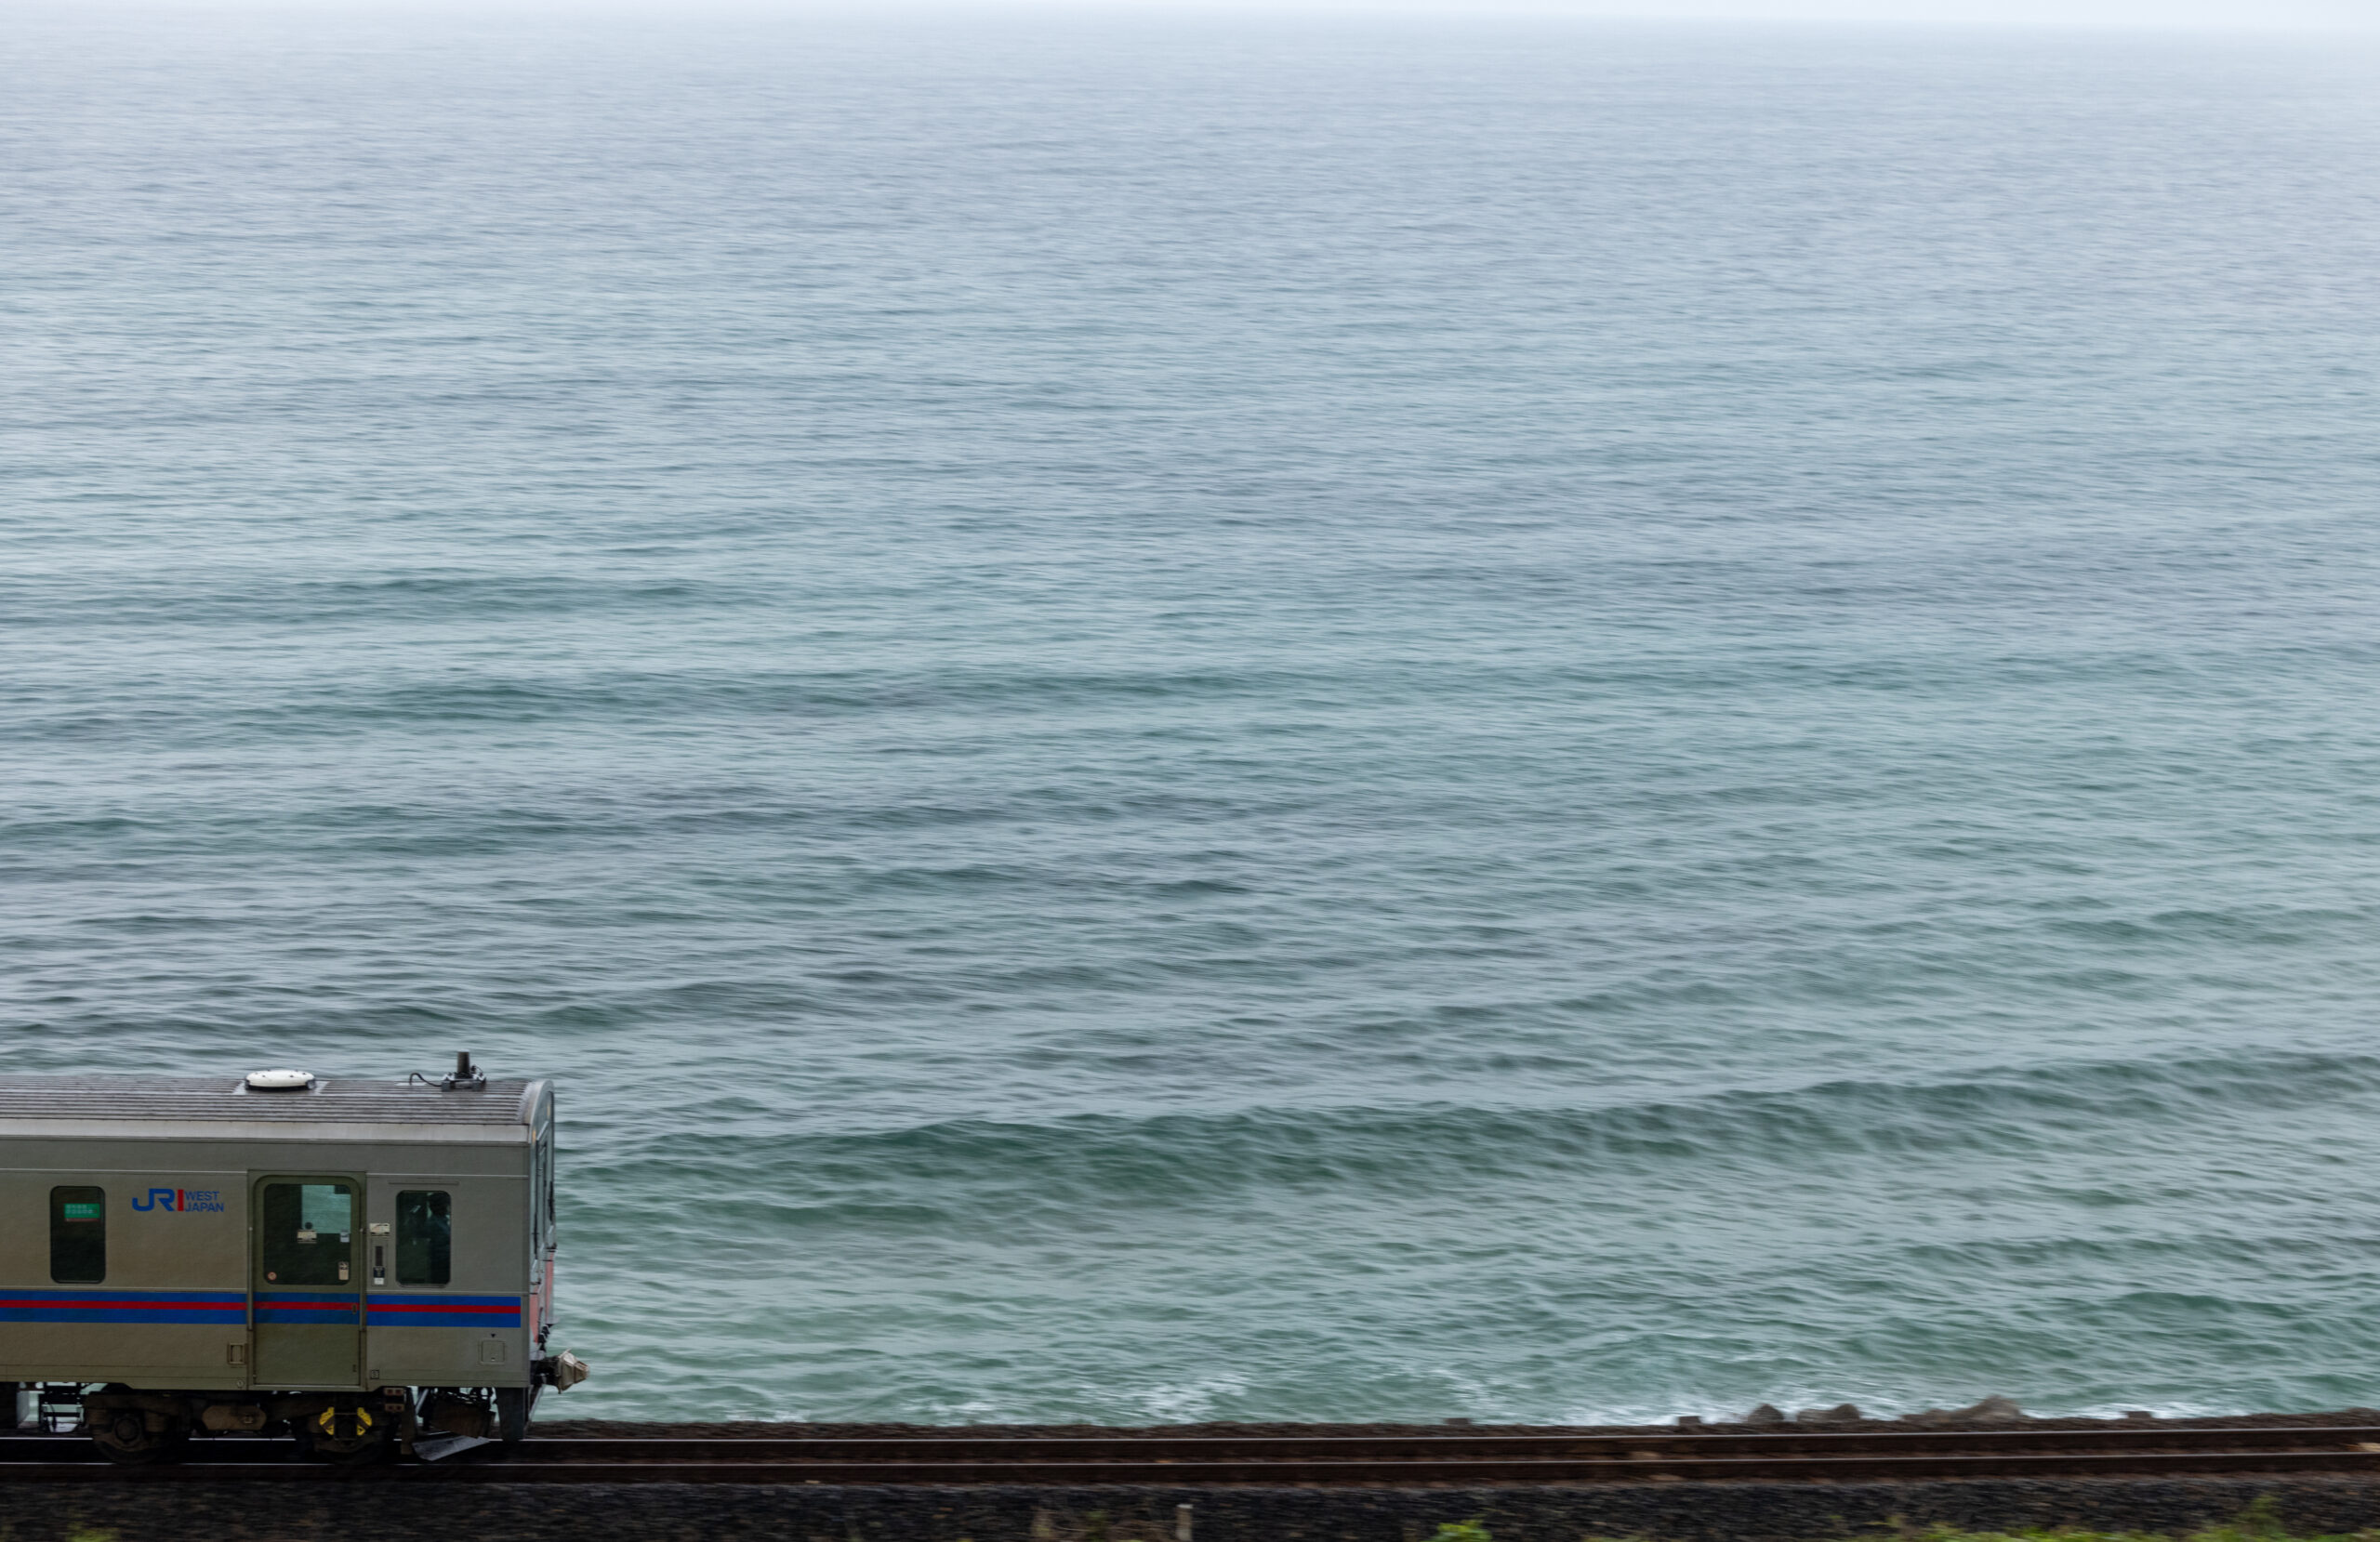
[{"x": 123, "y": 1436}]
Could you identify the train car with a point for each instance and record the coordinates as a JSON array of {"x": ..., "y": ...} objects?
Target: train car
[{"x": 365, "y": 1265}]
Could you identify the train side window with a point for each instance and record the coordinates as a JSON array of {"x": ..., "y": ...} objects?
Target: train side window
[
  {"x": 78, "y": 1235},
  {"x": 425, "y": 1236}
]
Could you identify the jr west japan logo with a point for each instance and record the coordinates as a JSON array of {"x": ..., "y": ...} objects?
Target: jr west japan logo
[{"x": 180, "y": 1199}]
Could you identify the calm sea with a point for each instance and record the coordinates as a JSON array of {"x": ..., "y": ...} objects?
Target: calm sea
[{"x": 1169, "y": 719}]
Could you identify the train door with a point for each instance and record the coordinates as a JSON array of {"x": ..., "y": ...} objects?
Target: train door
[
  {"x": 411, "y": 1273},
  {"x": 306, "y": 1279}
]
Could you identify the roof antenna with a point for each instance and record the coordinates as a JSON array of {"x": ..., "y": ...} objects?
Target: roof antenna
[{"x": 466, "y": 1074}]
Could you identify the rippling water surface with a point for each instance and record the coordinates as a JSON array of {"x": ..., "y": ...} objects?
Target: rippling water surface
[{"x": 1240, "y": 718}]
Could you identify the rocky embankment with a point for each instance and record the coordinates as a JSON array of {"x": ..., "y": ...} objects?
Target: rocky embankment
[{"x": 1992, "y": 1413}]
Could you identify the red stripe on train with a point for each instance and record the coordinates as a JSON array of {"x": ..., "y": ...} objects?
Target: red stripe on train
[
  {"x": 143, "y": 1305},
  {"x": 468, "y": 1312}
]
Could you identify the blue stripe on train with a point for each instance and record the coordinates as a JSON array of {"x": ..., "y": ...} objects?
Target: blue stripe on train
[
  {"x": 229, "y": 1307},
  {"x": 330, "y": 1308},
  {"x": 221, "y": 1308},
  {"x": 224, "y": 1317},
  {"x": 307, "y": 1297},
  {"x": 231, "y": 1298},
  {"x": 393, "y": 1310}
]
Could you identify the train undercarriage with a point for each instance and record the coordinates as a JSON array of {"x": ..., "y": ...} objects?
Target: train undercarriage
[{"x": 135, "y": 1427}]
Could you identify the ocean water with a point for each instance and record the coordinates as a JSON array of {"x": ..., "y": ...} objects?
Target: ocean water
[{"x": 1180, "y": 719}]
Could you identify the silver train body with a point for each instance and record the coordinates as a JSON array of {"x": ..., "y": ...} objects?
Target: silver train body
[{"x": 367, "y": 1265}]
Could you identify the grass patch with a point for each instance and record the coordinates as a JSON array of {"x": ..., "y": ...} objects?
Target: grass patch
[
  {"x": 2226, "y": 1533},
  {"x": 2260, "y": 1522}
]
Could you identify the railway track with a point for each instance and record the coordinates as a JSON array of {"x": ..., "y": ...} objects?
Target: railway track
[{"x": 1274, "y": 1460}]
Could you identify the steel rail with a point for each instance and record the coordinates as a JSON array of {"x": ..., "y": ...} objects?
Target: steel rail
[
  {"x": 1664, "y": 1445},
  {"x": 1356, "y": 1460}
]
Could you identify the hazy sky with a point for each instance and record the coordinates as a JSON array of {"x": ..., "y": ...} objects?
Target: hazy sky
[
  {"x": 2362, "y": 16},
  {"x": 2356, "y": 13}
]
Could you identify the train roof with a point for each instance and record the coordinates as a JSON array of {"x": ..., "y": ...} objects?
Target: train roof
[{"x": 227, "y": 1106}]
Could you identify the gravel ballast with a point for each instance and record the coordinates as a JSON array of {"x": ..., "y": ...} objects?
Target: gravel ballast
[
  {"x": 677, "y": 1512},
  {"x": 369, "y": 1511}
]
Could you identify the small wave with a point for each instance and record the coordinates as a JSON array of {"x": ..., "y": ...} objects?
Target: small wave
[{"x": 2002, "y": 1110}]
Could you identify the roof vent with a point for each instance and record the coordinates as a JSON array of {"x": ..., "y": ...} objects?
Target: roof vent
[{"x": 280, "y": 1081}]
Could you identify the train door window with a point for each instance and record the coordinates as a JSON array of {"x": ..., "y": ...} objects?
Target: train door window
[
  {"x": 78, "y": 1235},
  {"x": 425, "y": 1236},
  {"x": 308, "y": 1234}
]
